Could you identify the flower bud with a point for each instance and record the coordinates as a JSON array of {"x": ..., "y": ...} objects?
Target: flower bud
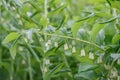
[
  {"x": 45, "y": 69},
  {"x": 56, "y": 44},
  {"x": 91, "y": 55},
  {"x": 99, "y": 60},
  {"x": 113, "y": 73},
  {"x": 46, "y": 44},
  {"x": 17, "y": 16},
  {"x": 47, "y": 61},
  {"x": 41, "y": 39},
  {"x": 65, "y": 46},
  {"x": 23, "y": 62},
  {"x": 82, "y": 52},
  {"x": 73, "y": 50},
  {"x": 49, "y": 42},
  {"x": 20, "y": 22}
]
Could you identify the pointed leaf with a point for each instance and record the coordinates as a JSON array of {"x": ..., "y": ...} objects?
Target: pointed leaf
[
  {"x": 10, "y": 37},
  {"x": 95, "y": 30},
  {"x": 116, "y": 38},
  {"x": 75, "y": 27},
  {"x": 13, "y": 51}
]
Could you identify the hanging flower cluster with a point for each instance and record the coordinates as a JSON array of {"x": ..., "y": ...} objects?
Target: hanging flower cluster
[{"x": 82, "y": 51}]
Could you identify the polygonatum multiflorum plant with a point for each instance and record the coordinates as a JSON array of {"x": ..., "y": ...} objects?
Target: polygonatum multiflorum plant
[{"x": 59, "y": 40}]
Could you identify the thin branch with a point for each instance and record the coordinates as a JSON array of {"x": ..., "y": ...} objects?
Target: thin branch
[{"x": 67, "y": 37}]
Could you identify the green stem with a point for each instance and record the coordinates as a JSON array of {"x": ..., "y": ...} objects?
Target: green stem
[
  {"x": 12, "y": 69},
  {"x": 45, "y": 8},
  {"x": 67, "y": 64},
  {"x": 29, "y": 66},
  {"x": 67, "y": 37}
]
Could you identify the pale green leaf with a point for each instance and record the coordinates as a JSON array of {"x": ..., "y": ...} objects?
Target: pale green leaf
[
  {"x": 75, "y": 27},
  {"x": 86, "y": 67},
  {"x": 116, "y": 38},
  {"x": 13, "y": 51},
  {"x": 10, "y": 37},
  {"x": 95, "y": 30}
]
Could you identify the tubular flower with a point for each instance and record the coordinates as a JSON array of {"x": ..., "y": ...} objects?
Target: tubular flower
[
  {"x": 114, "y": 73},
  {"x": 65, "y": 46},
  {"x": 56, "y": 44},
  {"x": 73, "y": 50},
  {"x": 49, "y": 42},
  {"x": 47, "y": 61},
  {"x": 91, "y": 55},
  {"x": 99, "y": 60},
  {"x": 82, "y": 52}
]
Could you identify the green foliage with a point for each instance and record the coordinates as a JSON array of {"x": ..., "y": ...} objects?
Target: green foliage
[
  {"x": 10, "y": 37},
  {"x": 59, "y": 40}
]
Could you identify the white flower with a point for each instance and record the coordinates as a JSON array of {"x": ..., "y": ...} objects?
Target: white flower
[
  {"x": 91, "y": 55},
  {"x": 99, "y": 60},
  {"x": 17, "y": 16},
  {"x": 23, "y": 62},
  {"x": 49, "y": 42},
  {"x": 65, "y": 46},
  {"x": 82, "y": 52},
  {"x": 56, "y": 44},
  {"x": 46, "y": 44},
  {"x": 20, "y": 22},
  {"x": 118, "y": 77},
  {"x": 45, "y": 69},
  {"x": 13, "y": 8},
  {"x": 20, "y": 48},
  {"x": 41, "y": 39},
  {"x": 114, "y": 73},
  {"x": 26, "y": 40},
  {"x": 73, "y": 50},
  {"x": 29, "y": 34},
  {"x": 70, "y": 46},
  {"x": 47, "y": 61}
]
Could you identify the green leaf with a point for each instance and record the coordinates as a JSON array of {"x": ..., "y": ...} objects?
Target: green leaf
[
  {"x": 89, "y": 75},
  {"x": 56, "y": 69},
  {"x": 5, "y": 4},
  {"x": 13, "y": 51},
  {"x": 10, "y": 37},
  {"x": 58, "y": 10},
  {"x": 75, "y": 27},
  {"x": 17, "y": 2},
  {"x": 110, "y": 31},
  {"x": 115, "y": 3},
  {"x": 87, "y": 17},
  {"x": 110, "y": 20},
  {"x": 34, "y": 5},
  {"x": 86, "y": 67},
  {"x": 61, "y": 23},
  {"x": 115, "y": 56},
  {"x": 116, "y": 38},
  {"x": 95, "y": 30}
]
